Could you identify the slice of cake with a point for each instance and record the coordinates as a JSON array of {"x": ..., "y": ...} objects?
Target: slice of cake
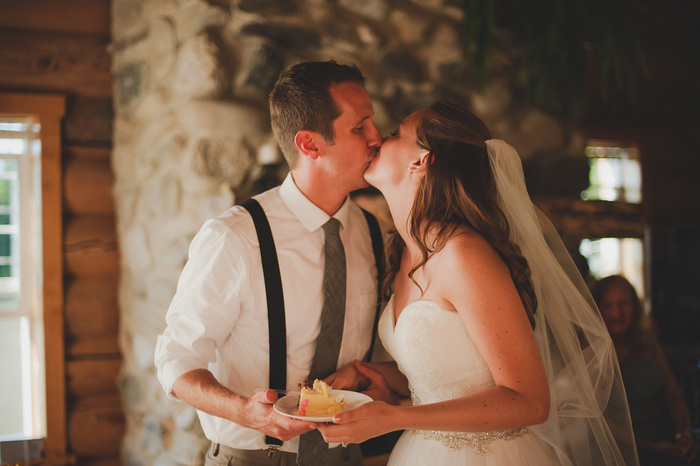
[{"x": 318, "y": 401}]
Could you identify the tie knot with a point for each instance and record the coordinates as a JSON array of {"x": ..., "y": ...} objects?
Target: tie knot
[{"x": 332, "y": 227}]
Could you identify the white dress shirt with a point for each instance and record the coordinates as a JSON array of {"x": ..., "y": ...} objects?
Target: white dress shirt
[{"x": 218, "y": 317}]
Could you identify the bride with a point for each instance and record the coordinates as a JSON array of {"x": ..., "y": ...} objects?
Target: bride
[{"x": 492, "y": 331}]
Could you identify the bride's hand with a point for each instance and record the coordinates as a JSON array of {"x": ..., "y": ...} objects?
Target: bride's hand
[
  {"x": 355, "y": 426},
  {"x": 378, "y": 389}
]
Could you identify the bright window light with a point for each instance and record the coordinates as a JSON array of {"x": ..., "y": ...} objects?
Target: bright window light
[
  {"x": 615, "y": 173},
  {"x": 615, "y": 256},
  {"x": 22, "y": 403}
]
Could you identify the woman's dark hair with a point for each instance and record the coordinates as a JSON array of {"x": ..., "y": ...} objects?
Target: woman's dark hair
[
  {"x": 301, "y": 100},
  {"x": 459, "y": 190}
]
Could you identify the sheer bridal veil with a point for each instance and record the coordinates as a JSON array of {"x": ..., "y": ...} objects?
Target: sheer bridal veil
[{"x": 589, "y": 422}]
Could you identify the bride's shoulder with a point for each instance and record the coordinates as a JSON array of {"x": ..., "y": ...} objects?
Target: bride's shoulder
[
  {"x": 466, "y": 240},
  {"x": 467, "y": 247}
]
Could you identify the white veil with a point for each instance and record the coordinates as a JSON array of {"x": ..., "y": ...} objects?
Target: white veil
[{"x": 589, "y": 422}]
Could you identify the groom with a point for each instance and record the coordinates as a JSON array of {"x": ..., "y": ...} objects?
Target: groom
[{"x": 214, "y": 352}]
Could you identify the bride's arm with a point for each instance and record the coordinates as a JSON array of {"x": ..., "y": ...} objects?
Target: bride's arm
[{"x": 476, "y": 283}]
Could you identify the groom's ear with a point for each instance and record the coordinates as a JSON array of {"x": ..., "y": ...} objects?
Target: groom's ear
[
  {"x": 305, "y": 141},
  {"x": 421, "y": 163}
]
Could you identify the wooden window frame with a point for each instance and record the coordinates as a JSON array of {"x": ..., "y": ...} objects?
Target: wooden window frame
[{"x": 50, "y": 109}]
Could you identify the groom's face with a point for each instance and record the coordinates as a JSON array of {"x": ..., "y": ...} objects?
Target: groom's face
[
  {"x": 356, "y": 138},
  {"x": 392, "y": 165}
]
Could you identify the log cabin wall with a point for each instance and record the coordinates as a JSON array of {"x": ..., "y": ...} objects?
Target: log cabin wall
[{"x": 62, "y": 47}]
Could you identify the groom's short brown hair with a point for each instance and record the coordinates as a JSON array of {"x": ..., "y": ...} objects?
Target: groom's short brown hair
[{"x": 301, "y": 100}]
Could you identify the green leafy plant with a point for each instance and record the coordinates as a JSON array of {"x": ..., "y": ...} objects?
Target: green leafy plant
[{"x": 574, "y": 48}]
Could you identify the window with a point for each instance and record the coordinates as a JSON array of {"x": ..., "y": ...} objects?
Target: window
[
  {"x": 615, "y": 173},
  {"x": 615, "y": 256},
  {"x": 31, "y": 279},
  {"x": 21, "y": 324}
]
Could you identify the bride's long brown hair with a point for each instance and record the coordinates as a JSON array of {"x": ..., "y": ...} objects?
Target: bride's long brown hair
[{"x": 457, "y": 191}]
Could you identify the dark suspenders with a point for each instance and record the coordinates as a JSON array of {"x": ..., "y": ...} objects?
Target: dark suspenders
[
  {"x": 276, "y": 323},
  {"x": 378, "y": 249}
]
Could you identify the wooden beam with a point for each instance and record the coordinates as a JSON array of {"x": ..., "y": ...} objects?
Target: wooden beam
[
  {"x": 90, "y": 248},
  {"x": 576, "y": 219},
  {"x": 89, "y": 121},
  {"x": 55, "y": 62},
  {"x": 88, "y": 186},
  {"x": 92, "y": 317},
  {"x": 84, "y": 16},
  {"x": 93, "y": 379},
  {"x": 96, "y": 427}
]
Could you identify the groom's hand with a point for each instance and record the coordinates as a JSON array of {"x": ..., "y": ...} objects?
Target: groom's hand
[
  {"x": 348, "y": 378},
  {"x": 261, "y": 416},
  {"x": 378, "y": 389}
]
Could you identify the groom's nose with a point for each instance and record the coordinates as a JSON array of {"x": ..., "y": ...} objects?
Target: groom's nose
[{"x": 374, "y": 137}]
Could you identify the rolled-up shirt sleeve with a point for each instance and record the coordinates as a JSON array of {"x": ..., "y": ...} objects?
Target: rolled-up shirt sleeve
[{"x": 206, "y": 305}]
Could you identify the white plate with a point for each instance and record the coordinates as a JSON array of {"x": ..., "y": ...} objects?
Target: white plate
[{"x": 287, "y": 405}]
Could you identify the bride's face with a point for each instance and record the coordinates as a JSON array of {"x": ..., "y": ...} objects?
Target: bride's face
[{"x": 399, "y": 151}]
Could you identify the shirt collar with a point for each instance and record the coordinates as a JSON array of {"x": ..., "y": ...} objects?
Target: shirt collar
[{"x": 310, "y": 215}]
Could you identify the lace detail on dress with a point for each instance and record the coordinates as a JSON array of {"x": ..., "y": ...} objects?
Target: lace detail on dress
[{"x": 477, "y": 440}]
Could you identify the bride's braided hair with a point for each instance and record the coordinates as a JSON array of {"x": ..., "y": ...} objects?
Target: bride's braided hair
[{"x": 459, "y": 190}]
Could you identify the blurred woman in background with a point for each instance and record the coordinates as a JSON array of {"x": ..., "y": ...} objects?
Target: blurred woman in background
[{"x": 659, "y": 413}]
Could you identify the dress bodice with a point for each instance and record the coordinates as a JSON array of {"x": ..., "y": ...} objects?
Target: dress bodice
[{"x": 434, "y": 351}]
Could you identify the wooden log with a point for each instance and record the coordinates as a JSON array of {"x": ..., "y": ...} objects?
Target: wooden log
[
  {"x": 86, "y": 16},
  {"x": 43, "y": 60},
  {"x": 92, "y": 310},
  {"x": 101, "y": 461},
  {"x": 89, "y": 120},
  {"x": 86, "y": 152},
  {"x": 90, "y": 379},
  {"x": 90, "y": 229},
  {"x": 103, "y": 345},
  {"x": 87, "y": 186},
  {"x": 576, "y": 219},
  {"x": 91, "y": 306},
  {"x": 90, "y": 247},
  {"x": 48, "y": 460},
  {"x": 95, "y": 427}
]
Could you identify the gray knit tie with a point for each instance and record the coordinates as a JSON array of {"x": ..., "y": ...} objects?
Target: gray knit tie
[{"x": 313, "y": 450}]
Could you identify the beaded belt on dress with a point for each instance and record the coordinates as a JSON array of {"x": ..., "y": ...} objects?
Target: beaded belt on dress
[{"x": 477, "y": 440}]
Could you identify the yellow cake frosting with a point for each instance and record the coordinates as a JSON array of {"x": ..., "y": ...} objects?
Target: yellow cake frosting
[{"x": 318, "y": 401}]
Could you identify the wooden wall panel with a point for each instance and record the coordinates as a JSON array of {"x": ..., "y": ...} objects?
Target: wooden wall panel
[
  {"x": 92, "y": 379},
  {"x": 102, "y": 461},
  {"x": 78, "y": 63},
  {"x": 95, "y": 427},
  {"x": 87, "y": 186},
  {"x": 92, "y": 317},
  {"x": 62, "y": 47},
  {"x": 90, "y": 247},
  {"x": 89, "y": 121},
  {"x": 86, "y": 16},
  {"x": 87, "y": 152}
]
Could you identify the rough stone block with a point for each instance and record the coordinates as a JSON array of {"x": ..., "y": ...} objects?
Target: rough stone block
[
  {"x": 199, "y": 72},
  {"x": 285, "y": 37},
  {"x": 400, "y": 64}
]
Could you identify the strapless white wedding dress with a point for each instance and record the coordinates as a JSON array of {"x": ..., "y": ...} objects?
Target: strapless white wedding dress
[{"x": 434, "y": 351}]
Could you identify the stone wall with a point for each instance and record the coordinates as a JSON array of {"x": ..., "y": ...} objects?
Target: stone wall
[{"x": 192, "y": 137}]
